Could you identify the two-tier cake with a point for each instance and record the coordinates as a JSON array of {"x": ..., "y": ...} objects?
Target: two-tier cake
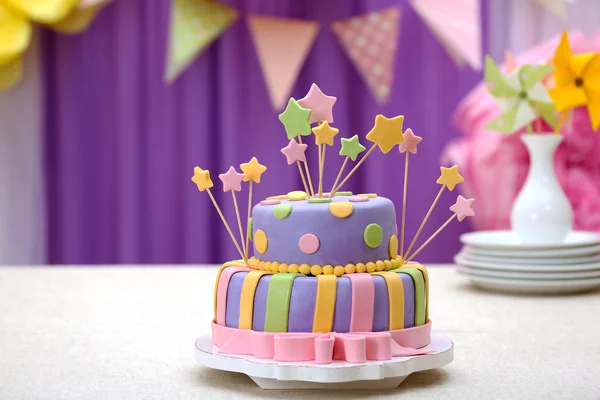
[{"x": 328, "y": 279}]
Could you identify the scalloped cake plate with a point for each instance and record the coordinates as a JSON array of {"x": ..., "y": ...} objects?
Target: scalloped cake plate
[
  {"x": 530, "y": 275},
  {"x": 508, "y": 240},
  {"x": 543, "y": 253},
  {"x": 562, "y": 270},
  {"x": 578, "y": 262},
  {"x": 522, "y": 286},
  {"x": 270, "y": 374}
]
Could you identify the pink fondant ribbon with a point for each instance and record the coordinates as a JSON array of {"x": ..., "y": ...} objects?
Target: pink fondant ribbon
[
  {"x": 323, "y": 348},
  {"x": 363, "y": 299},
  {"x": 226, "y": 275}
]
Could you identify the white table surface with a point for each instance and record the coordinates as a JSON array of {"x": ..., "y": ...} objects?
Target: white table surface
[{"x": 128, "y": 333}]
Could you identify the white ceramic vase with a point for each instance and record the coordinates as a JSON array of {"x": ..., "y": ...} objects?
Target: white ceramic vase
[{"x": 542, "y": 213}]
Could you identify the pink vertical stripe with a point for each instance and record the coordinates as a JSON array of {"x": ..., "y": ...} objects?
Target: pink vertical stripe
[
  {"x": 222, "y": 292},
  {"x": 363, "y": 298}
]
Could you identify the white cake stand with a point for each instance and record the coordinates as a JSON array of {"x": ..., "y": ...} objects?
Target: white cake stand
[{"x": 270, "y": 374}]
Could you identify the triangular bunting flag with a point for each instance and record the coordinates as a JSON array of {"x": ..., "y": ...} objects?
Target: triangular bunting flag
[
  {"x": 556, "y": 7},
  {"x": 194, "y": 25},
  {"x": 457, "y": 24},
  {"x": 371, "y": 41},
  {"x": 282, "y": 45}
]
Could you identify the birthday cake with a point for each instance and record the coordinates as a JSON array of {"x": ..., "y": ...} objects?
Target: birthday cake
[{"x": 329, "y": 278}]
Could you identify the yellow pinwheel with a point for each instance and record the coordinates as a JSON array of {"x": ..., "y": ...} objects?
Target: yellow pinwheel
[
  {"x": 16, "y": 17},
  {"x": 577, "y": 81}
]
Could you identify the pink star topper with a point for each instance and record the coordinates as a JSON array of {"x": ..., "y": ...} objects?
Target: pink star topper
[
  {"x": 463, "y": 208},
  {"x": 410, "y": 142},
  {"x": 294, "y": 151},
  {"x": 319, "y": 103},
  {"x": 232, "y": 180}
]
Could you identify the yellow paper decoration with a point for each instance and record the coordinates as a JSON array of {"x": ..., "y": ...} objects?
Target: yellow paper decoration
[
  {"x": 77, "y": 21},
  {"x": 44, "y": 11},
  {"x": 10, "y": 74},
  {"x": 15, "y": 35}
]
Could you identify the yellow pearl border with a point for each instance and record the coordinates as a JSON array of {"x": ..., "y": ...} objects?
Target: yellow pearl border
[{"x": 338, "y": 270}]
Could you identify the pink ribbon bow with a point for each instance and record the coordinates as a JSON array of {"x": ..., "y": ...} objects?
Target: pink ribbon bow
[{"x": 322, "y": 348}]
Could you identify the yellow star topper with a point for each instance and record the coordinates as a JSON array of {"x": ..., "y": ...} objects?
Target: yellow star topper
[
  {"x": 252, "y": 170},
  {"x": 202, "y": 179},
  {"x": 324, "y": 133},
  {"x": 387, "y": 132},
  {"x": 450, "y": 177},
  {"x": 577, "y": 80}
]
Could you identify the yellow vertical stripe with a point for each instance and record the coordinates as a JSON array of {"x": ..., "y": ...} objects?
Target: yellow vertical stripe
[
  {"x": 426, "y": 278},
  {"x": 325, "y": 305},
  {"x": 239, "y": 263},
  {"x": 395, "y": 299},
  {"x": 247, "y": 298}
]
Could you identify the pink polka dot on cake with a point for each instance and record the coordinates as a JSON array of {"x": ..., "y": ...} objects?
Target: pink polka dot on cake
[
  {"x": 309, "y": 243},
  {"x": 269, "y": 202},
  {"x": 358, "y": 199}
]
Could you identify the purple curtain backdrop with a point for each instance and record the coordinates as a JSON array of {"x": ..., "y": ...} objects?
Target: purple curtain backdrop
[{"x": 122, "y": 145}]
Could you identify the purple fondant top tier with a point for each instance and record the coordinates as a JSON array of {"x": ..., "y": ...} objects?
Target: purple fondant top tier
[{"x": 341, "y": 241}]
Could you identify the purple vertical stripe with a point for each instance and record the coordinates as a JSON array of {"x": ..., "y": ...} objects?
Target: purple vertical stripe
[
  {"x": 381, "y": 312},
  {"x": 234, "y": 292},
  {"x": 409, "y": 300},
  {"x": 343, "y": 305},
  {"x": 260, "y": 303},
  {"x": 302, "y": 304}
]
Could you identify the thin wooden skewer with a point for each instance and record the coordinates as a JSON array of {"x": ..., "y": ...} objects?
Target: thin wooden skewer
[
  {"x": 425, "y": 219},
  {"x": 237, "y": 246},
  {"x": 431, "y": 238},
  {"x": 323, "y": 152},
  {"x": 353, "y": 170},
  {"x": 303, "y": 178},
  {"x": 339, "y": 175},
  {"x": 320, "y": 188},
  {"x": 404, "y": 205},
  {"x": 239, "y": 221},
  {"x": 247, "y": 250},
  {"x": 312, "y": 190}
]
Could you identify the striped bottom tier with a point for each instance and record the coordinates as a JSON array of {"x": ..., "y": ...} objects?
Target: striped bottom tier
[{"x": 361, "y": 302}]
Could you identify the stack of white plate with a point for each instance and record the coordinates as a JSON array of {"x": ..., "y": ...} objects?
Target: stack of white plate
[{"x": 496, "y": 260}]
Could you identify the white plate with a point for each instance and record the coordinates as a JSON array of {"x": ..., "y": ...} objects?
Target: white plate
[
  {"x": 533, "y": 287},
  {"x": 508, "y": 266},
  {"x": 530, "y": 262},
  {"x": 547, "y": 253},
  {"x": 508, "y": 240},
  {"x": 538, "y": 275},
  {"x": 270, "y": 374}
]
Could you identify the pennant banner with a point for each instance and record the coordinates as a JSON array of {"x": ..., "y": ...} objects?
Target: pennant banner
[
  {"x": 457, "y": 24},
  {"x": 194, "y": 25},
  {"x": 371, "y": 42},
  {"x": 282, "y": 45}
]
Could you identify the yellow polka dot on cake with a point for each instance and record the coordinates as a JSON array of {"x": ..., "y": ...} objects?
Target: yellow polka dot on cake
[
  {"x": 297, "y": 195},
  {"x": 393, "y": 246},
  {"x": 278, "y": 197},
  {"x": 261, "y": 242},
  {"x": 369, "y": 195},
  {"x": 341, "y": 209}
]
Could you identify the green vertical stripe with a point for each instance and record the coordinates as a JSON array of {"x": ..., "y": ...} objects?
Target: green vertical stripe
[
  {"x": 278, "y": 302},
  {"x": 419, "y": 292}
]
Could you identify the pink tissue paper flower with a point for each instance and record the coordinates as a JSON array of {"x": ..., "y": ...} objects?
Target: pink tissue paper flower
[{"x": 495, "y": 165}]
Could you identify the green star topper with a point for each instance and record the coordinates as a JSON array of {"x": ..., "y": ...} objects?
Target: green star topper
[
  {"x": 351, "y": 147},
  {"x": 295, "y": 119}
]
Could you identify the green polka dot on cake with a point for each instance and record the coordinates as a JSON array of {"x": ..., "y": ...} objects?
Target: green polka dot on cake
[
  {"x": 343, "y": 194},
  {"x": 282, "y": 211},
  {"x": 319, "y": 200},
  {"x": 249, "y": 229},
  {"x": 373, "y": 235}
]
